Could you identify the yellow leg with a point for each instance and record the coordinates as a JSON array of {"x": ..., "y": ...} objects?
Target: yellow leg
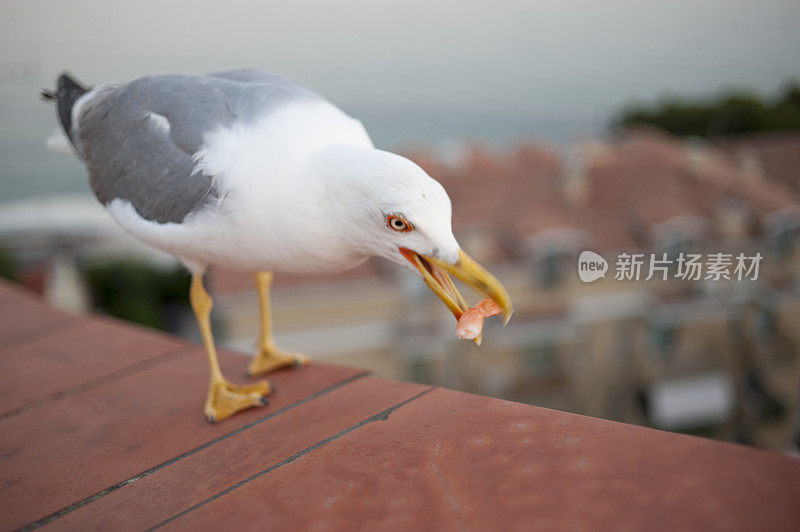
[
  {"x": 224, "y": 398},
  {"x": 269, "y": 356}
]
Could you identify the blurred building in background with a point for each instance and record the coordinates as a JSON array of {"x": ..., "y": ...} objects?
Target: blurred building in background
[{"x": 713, "y": 357}]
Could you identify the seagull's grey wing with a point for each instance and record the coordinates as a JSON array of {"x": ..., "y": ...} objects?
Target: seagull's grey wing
[
  {"x": 251, "y": 75},
  {"x": 138, "y": 139},
  {"x": 263, "y": 90}
]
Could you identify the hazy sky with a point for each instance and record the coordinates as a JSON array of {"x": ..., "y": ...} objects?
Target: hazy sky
[{"x": 413, "y": 70}]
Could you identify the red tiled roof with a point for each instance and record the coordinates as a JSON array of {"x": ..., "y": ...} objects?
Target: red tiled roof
[
  {"x": 645, "y": 177},
  {"x": 777, "y": 152},
  {"x": 102, "y": 428}
]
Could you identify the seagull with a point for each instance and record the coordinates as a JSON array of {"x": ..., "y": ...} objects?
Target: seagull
[{"x": 251, "y": 171}]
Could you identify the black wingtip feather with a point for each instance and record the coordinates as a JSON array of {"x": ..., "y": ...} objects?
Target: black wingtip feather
[{"x": 67, "y": 93}]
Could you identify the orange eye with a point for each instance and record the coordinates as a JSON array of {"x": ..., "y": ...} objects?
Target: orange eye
[{"x": 398, "y": 223}]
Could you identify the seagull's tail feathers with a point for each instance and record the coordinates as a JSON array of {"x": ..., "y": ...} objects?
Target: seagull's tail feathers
[{"x": 67, "y": 92}]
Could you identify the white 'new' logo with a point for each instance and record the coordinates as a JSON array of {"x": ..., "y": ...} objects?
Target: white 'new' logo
[{"x": 591, "y": 266}]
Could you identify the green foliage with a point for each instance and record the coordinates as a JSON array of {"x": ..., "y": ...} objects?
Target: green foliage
[
  {"x": 8, "y": 265},
  {"x": 138, "y": 292},
  {"x": 732, "y": 112}
]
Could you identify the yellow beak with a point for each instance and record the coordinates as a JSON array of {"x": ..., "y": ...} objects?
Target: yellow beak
[{"x": 435, "y": 274}]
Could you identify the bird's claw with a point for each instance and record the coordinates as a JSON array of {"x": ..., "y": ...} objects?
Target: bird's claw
[
  {"x": 226, "y": 398},
  {"x": 271, "y": 359}
]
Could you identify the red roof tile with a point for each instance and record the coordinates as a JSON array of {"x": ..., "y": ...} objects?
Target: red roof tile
[
  {"x": 20, "y": 318},
  {"x": 76, "y": 357},
  {"x": 776, "y": 152},
  {"x": 211, "y": 470}
]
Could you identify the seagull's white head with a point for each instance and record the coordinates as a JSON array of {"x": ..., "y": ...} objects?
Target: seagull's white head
[{"x": 387, "y": 206}]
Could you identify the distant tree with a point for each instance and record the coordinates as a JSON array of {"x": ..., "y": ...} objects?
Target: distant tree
[
  {"x": 731, "y": 112},
  {"x": 8, "y": 266},
  {"x": 139, "y": 292}
]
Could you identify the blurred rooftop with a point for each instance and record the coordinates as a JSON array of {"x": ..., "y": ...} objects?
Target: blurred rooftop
[{"x": 102, "y": 428}]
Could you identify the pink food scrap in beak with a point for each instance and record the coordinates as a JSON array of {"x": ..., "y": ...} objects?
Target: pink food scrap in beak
[
  {"x": 470, "y": 324},
  {"x": 436, "y": 274}
]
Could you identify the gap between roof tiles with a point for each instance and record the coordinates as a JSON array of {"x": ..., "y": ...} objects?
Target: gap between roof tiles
[
  {"x": 64, "y": 511},
  {"x": 43, "y": 332},
  {"x": 380, "y": 416},
  {"x": 156, "y": 360}
]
